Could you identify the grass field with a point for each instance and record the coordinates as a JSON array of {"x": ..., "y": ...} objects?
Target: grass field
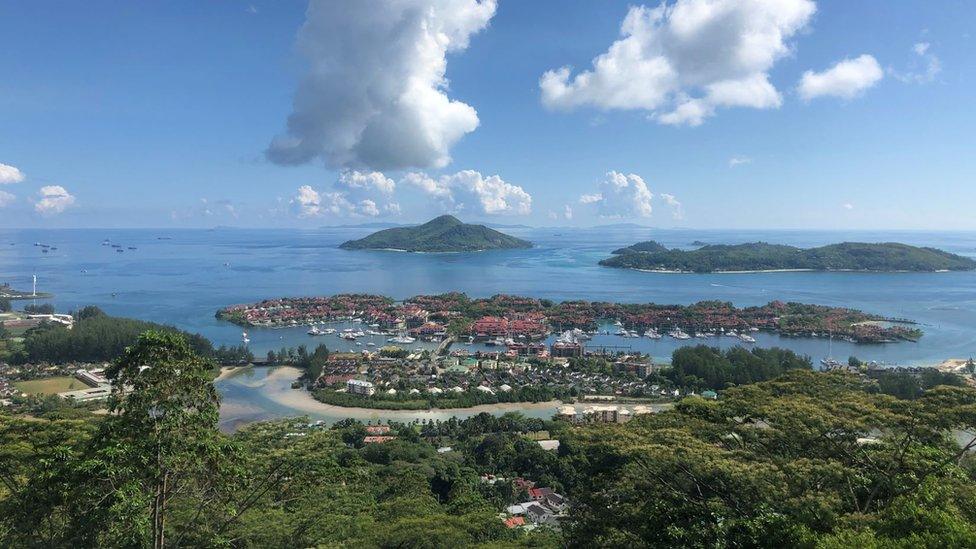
[{"x": 50, "y": 385}]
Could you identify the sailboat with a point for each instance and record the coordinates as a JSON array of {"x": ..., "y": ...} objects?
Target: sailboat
[{"x": 244, "y": 338}]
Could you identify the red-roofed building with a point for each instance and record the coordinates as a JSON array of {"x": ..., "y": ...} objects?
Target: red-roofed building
[
  {"x": 377, "y": 439},
  {"x": 515, "y": 522}
]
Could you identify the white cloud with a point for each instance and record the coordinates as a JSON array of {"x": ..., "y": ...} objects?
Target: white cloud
[
  {"x": 621, "y": 196},
  {"x": 739, "y": 160},
  {"x": 469, "y": 190},
  {"x": 677, "y": 212},
  {"x": 681, "y": 61},
  {"x": 6, "y": 198},
  {"x": 848, "y": 206},
  {"x": 847, "y": 79},
  {"x": 53, "y": 199},
  {"x": 567, "y": 213},
  {"x": 375, "y": 91},
  {"x": 359, "y": 182},
  {"x": 916, "y": 74},
  {"x": 10, "y": 174},
  {"x": 308, "y": 202}
]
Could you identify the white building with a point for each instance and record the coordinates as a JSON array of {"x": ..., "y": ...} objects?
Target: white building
[{"x": 360, "y": 387}]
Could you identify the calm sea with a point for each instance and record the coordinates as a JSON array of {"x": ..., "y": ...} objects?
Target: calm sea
[{"x": 182, "y": 277}]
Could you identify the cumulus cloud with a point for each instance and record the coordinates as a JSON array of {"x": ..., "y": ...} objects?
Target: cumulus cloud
[
  {"x": 53, "y": 199},
  {"x": 6, "y": 198},
  {"x": 375, "y": 94},
  {"x": 923, "y": 69},
  {"x": 10, "y": 174},
  {"x": 356, "y": 194},
  {"x": 848, "y": 206},
  {"x": 567, "y": 213},
  {"x": 739, "y": 160},
  {"x": 847, "y": 79},
  {"x": 469, "y": 190},
  {"x": 621, "y": 196},
  {"x": 677, "y": 212},
  {"x": 682, "y": 61}
]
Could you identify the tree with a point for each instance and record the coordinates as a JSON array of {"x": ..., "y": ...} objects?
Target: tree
[
  {"x": 168, "y": 418},
  {"x": 5, "y": 306}
]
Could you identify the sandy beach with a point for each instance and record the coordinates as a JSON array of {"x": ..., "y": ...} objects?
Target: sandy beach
[{"x": 277, "y": 388}]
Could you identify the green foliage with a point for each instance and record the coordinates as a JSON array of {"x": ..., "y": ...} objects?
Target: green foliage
[
  {"x": 441, "y": 234},
  {"x": 760, "y": 256},
  {"x": 703, "y": 367},
  {"x": 94, "y": 338},
  {"x": 5, "y": 306},
  {"x": 783, "y": 463},
  {"x": 42, "y": 309}
]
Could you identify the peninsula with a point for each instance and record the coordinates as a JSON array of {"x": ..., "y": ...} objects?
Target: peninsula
[
  {"x": 761, "y": 256},
  {"x": 441, "y": 234}
]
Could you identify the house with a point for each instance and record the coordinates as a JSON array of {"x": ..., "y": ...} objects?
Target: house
[
  {"x": 709, "y": 394},
  {"x": 537, "y": 514},
  {"x": 377, "y": 439},
  {"x": 539, "y": 494},
  {"x": 552, "y": 445},
  {"x": 377, "y": 429},
  {"x": 556, "y": 502},
  {"x": 514, "y": 522}
]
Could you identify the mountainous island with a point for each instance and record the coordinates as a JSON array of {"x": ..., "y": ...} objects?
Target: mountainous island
[
  {"x": 761, "y": 256},
  {"x": 441, "y": 234}
]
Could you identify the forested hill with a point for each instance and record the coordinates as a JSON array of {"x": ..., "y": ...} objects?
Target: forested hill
[
  {"x": 441, "y": 234},
  {"x": 761, "y": 256}
]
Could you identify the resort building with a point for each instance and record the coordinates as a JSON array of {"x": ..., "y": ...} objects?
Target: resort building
[{"x": 360, "y": 387}]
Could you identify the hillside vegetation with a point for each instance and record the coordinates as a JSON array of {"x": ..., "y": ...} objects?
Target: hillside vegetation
[
  {"x": 441, "y": 234},
  {"x": 761, "y": 256}
]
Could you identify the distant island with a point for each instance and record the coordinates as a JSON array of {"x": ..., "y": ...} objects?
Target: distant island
[
  {"x": 761, "y": 256},
  {"x": 441, "y": 234}
]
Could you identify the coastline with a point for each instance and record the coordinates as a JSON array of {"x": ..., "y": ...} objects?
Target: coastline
[
  {"x": 760, "y": 271},
  {"x": 303, "y": 401}
]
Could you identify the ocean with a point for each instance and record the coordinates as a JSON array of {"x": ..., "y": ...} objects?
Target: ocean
[{"x": 181, "y": 277}]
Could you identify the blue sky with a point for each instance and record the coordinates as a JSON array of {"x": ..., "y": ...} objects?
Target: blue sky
[{"x": 121, "y": 114}]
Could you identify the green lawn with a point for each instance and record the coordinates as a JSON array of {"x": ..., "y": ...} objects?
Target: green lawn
[{"x": 50, "y": 385}]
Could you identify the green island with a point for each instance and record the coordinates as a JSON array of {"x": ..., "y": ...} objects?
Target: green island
[
  {"x": 761, "y": 256},
  {"x": 441, "y": 234},
  {"x": 526, "y": 319},
  {"x": 8, "y": 293},
  {"x": 777, "y": 457}
]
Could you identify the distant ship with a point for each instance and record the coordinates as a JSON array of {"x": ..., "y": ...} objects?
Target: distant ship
[{"x": 652, "y": 333}]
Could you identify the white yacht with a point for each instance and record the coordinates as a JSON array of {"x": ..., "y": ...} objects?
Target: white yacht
[
  {"x": 747, "y": 338},
  {"x": 244, "y": 339},
  {"x": 402, "y": 338},
  {"x": 677, "y": 333},
  {"x": 315, "y": 331},
  {"x": 652, "y": 333}
]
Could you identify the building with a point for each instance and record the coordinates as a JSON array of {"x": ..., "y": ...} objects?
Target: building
[
  {"x": 377, "y": 429},
  {"x": 360, "y": 387},
  {"x": 645, "y": 369},
  {"x": 606, "y": 414},
  {"x": 566, "y": 413},
  {"x": 551, "y": 445},
  {"x": 377, "y": 439},
  {"x": 566, "y": 349}
]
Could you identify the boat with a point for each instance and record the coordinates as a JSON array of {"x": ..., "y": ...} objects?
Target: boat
[
  {"x": 132, "y": 247},
  {"x": 348, "y": 336},
  {"x": 120, "y": 250},
  {"x": 315, "y": 331},
  {"x": 747, "y": 338},
  {"x": 652, "y": 333},
  {"x": 401, "y": 339},
  {"x": 621, "y": 332},
  {"x": 244, "y": 338},
  {"x": 677, "y": 333}
]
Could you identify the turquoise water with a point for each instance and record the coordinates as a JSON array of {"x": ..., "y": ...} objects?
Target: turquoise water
[{"x": 185, "y": 277}]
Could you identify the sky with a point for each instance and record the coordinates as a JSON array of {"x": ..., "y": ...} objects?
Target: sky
[{"x": 688, "y": 113}]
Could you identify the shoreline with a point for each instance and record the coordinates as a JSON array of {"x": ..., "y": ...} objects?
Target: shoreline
[
  {"x": 303, "y": 401},
  {"x": 760, "y": 271}
]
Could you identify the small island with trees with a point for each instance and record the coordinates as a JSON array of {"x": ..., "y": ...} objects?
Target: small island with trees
[
  {"x": 441, "y": 234},
  {"x": 761, "y": 256}
]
